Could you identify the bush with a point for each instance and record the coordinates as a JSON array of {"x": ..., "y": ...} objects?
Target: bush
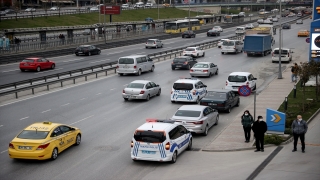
[
  {"x": 288, "y": 131},
  {"x": 273, "y": 139},
  {"x": 289, "y": 122}
]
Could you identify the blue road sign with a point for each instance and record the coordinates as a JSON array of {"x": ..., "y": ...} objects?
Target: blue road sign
[
  {"x": 244, "y": 90},
  {"x": 276, "y": 121}
]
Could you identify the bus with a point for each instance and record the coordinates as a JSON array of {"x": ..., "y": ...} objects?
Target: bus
[
  {"x": 180, "y": 26},
  {"x": 233, "y": 18}
]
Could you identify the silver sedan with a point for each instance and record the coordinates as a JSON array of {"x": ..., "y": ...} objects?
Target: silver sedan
[
  {"x": 196, "y": 118},
  {"x": 141, "y": 89},
  {"x": 204, "y": 69}
]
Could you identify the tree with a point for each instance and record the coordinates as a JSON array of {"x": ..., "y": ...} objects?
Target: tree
[
  {"x": 315, "y": 71},
  {"x": 304, "y": 74}
]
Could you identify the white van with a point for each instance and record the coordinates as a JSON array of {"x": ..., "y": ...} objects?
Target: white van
[
  {"x": 238, "y": 79},
  {"x": 231, "y": 46},
  {"x": 139, "y": 5},
  {"x": 135, "y": 64},
  {"x": 286, "y": 55},
  {"x": 240, "y": 30}
]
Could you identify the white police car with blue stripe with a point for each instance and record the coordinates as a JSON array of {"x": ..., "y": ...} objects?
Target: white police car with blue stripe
[
  {"x": 160, "y": 140},
  {"x": 188, "y": 90}
]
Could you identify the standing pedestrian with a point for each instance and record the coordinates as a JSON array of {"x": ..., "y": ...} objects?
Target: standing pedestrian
[
  {"x": 294, "y": 71},
  {"x": 299, "y": 129},
  {"x": 246, "y": 121},
  {"x": 259, "y": 128}
]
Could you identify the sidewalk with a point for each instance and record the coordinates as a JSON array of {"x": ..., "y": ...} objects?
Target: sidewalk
[{"x": 232, "y": 137}]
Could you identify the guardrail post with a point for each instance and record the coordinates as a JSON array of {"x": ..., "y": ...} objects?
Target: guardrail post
[
  {"x": 16, "y": 95},
  {"x": 70, "y": 73},
  {"x": 96, "y": 75},
  {"x": 15, "y": 86},
  {"x": 45, "y": 79},
  {"x": 106, "y": 73},
  {"x": 32, "y": 90},
  {"x": 74, "y": 81},
  {"x": 86, "y": 78},
  {"x": 48, "y": 87},
  {"x": 58, "y": 76},
  {"x": 61, "y": 83},
  {"x": 30, "y": 82},
  {"x": 81, "y": 71}
]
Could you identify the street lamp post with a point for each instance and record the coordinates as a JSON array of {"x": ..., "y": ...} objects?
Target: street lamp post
[
  {"x": 189, "y": 16},
  {"x": 158, "y": 9},
  {"x": 280, "y": 44}
]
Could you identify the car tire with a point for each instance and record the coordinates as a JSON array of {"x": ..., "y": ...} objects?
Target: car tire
[
  {"x": 183, "y": 37},
  {"x": 121, "y": 74},
  {"x": 146, "y": 47},
  {"x": 152, "y": 69},
  {"x": 217, "y": 120},
  {"x": 222, "y": 52},
  {"x": 217, "y": 72},
  {"x": 173, "y": 68},
  {"x": 159, "y": 92},
  {"x": 126, "y": 99},
  {"x": 210, "y": 75},
  {"x": 162, "y": 46},
  {"x": 78, "y": 140},
  {"x": 22, "y": 70},
  {"x": 53, "y": 66},
  {"x": 229, "y": 109},
  {"x": 203, "y": 54},
  {"x": 173, "y": 102},
  {"x": 99, "y": 52},
  {"x": 77, "y": 54},
  {"x": 89, "y": 53},
  {"x": 198, "y": 100},
  {"x": 194, "y": 36},
  {"x": 205, "y": 132},
  {"x": 190, "y": 144},
  {"x": 54, "y": 154},
  {"x": 174, "y": 157},
  {"x": 139, "y": 72},
  {"x": 238, "y": 103},
  {"x": 148, "y": 98},
  {"x": 156, "y": 46},
  {"x": 38, "y": 69}
]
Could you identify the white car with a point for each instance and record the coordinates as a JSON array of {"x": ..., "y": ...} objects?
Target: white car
[
  {"x": 250, "y": 15},
  {"x": 207, "y": 69},
  {"x": 260, "y": 21},
  {"x": 299, "y": 15},
  {"x": 291, "y": 15},
  {"x": 94, "y": 9},
  {"x": 154, "y": 43},
  {"x": 275, "y": 19},
  {"x": 238, "y": 79},
  {"x": 249, "y": 26},
  {"x": 54, "y": 8},
  {"x": 148, "y": 5},
  {"x": 218, "y": 28},
  {"x": 124, "y": 6},
  {"x": 188, "y": 90},
  {"x": 30, "y": 10},
  {"x": 286, "y": 55},
  {"x": 193, "y": 51},
  {"x": 220, "y": 42},
  {"x": 199, "y": 119},
  {"x": 240, "y": 30},
  {"x": 160, "y": 140},
  {"x": 141, "y": 89}
]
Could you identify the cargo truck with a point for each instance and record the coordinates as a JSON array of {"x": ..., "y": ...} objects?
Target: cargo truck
[{"x": 257, "y": 44}]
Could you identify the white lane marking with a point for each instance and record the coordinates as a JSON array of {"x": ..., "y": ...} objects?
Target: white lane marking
[
  {"x": 15, "y": 64},
  {"x": 82, "y": 120},
  {"x": 1, "y": 125},
  {"x": 112, "y": 89},
  {"x": 3, "y": 151},
  {"x": 73, "y": 60},
  {"x": 48, "y": 71},
  {"x": 65, "y": 104},
  {"x": 82, "y": 99},
  {"x": 125, "y": 85},
  {"x": 98, "y": 94},
  {"x": 46, "y": 111},
  {"x": 24, "y": 118},
  {"x": 116, "y": 52},
  {"x": 10, "y": 70},
  {"x": 99, "y": 61}
]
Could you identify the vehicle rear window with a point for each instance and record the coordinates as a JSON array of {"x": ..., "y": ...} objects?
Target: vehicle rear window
[
  {"x": 216, "y": 95},
  {"x": 228, "y": 43},
  {"x": 179, "y": 60},
  {"x": 126, "y": 61},
  {"x": 239, "y": 29},
  {"x": 83, "y": 48},
  {"x": 27, "y": 134},
  {"x": 282, "y": 51},
  {"x": 150, "y": 41},
  {"x": 27, "y": 60},
  {"x": 188, "y": 113},
  {"x": 201, "y": 66},
  {"x": 237, "y": 78},
  {"x": 182, "y": 86},
  {"x": 135, "y": 85},
  {"x": 149, "y": 136},
  {"x": 190, "y": 49}
]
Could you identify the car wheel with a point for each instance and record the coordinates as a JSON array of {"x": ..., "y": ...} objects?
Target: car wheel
[
  {"x": 78, "y": 140},
  {"x": 205, "y": 132},
  {"x": 173, "y": 68},
  {"x": 190, "y": 145},
  {"x": 121, "y": 74},
  {"x": 203, "y": 54},
  {"x": 126, "y": 99},
  {"x": 54, "y": 154},
  {"x": 162, "y": 46},
  {"x": 38, "y": 68},
  {"x": 183, "y": 37},
  {"x": 152, "y": 69},
  {"x": 148, "y": 98},
  {"x": 53, "y": 66},
  {"x": 217, "y": 120},
  {"x": 194, "y": 36},
  {"x": 139, "y": 72},
  {"x": 217, "y": 72},
  {"x": 238, "y": 103},
  {"x": 174, "y": 157},
  {"x": 89, "y": 54},
  {"x": 77, "y": 54},
  {"x": 210, "y": 75},
  {"x": 146, "y": 47},
  {"x": 156, "y": 46},
  {"x": 222, "y": 52},
  {"x": 229, "y": 109},
  {"x": 198, "y": 100},
  {"x": 172, "y": 101},
  {"x": 99, "y": 52},
  {"x": 22, "y": 70},
  {"x": 159, "y": 92}
]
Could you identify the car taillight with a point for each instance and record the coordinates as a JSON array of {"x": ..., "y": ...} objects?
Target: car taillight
[
  {"x": 132, "y": 144},
  {"x": 203, "y": 103},
  {"x": 204, "y": 70},
  {"x": 194, "y": 92},
  {"x": 41, "y": 147},
  {"x": 288, "y": 54},
  {"x": 185, "y": 63},
  {"x": 191, "y": 70},
  {"x": 226, "y": 83},
  {"x": 134, "y": 67},
  {"x": 234, "y": 47},
  {"x": 142, "y": 92},
  {"x": 123, "y": 91},
  {"x": 154, "y": 42},
  {"x": 11, "y": 146},
  {"x": 117, "y": 67},
  {"x": 198, "y": 122},
  {"x": 272, "y": 54},
  {"x": 167, "y": 146},
  {"x": 172, "y": 63}
]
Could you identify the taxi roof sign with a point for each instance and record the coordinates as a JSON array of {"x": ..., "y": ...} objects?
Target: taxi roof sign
[{"x": 47, "y": 122}]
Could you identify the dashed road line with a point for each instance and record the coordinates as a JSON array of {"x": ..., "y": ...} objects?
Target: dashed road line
[
  {"x": 24, "y": 118},
  {"x": 98, "y": 94},
  {"x": 100, "y": 61},
  {"x": 48, "y": 71},
  {"x": 82, "y": 99},
  {"x": 10, "y": 70},
  {"x": 1, "y": 125},
  {"x": 65, "y": 104},
  {"x": 125, "y": 85},
  {"x": 3, "y": 151},
  {"x": 73, "y": 60},
  {"x": 82, "y": 119},
  {"x": 112, "y": 89},
  {"x": 46, "y": 111}
]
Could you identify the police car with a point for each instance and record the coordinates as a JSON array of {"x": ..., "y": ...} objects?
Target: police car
[
  {"x": 188, "y": 90},
  {"x": 160, "y": 140}
]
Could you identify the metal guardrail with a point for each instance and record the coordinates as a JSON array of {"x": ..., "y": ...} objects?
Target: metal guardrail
[{"x": 34, "y": 83}]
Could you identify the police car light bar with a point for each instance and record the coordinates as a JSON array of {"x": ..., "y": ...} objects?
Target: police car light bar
[{"x": 160, "y": 120}]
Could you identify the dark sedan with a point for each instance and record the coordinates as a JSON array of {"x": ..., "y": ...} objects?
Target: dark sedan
[
  {"x": 286, "y": 26},
  {"x": 87, "y": 50},
  {"x": 213, "y": 33},
  {"x": 221, "y": 99},
  {"x": 183, "y": 62},
  {"x": 10, "y": 11},
  {"x": 188, "y": 34}
]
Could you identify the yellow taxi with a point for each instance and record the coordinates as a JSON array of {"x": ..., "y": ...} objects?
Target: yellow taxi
[
  {"x": 303, "y": 33},
  {"x": 43, "y": 140}
]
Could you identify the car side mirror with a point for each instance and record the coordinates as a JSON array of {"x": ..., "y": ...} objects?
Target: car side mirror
[
  {"x": 204, "y": 85},
  {"x": 150, "y": 60},
  {"x": 72, "y": 129},
  {"x": 291, "y": 52},
  {"x": 254, "y": 79},
  {"x": 157, "y": 85}
]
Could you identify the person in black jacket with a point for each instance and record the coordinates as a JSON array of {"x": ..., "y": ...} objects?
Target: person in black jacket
[
  {"x": 247, "y": 121},
  {"x": 259, "y": 128}
]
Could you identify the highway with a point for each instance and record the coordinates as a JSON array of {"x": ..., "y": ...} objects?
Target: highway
[
  {"x": 108, "y": 122},
  {"x": 11, "y": 73}
]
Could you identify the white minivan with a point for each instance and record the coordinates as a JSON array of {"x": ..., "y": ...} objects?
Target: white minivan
[
  {"x": 139, "y": 5},
  {"x": 134, "y": 64},
  {"x": 231, "y": 46}
]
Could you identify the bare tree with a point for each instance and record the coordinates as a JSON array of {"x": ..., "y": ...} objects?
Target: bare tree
[
  {"x": 315, "y": 71},
  {"x": 304, "y": 74}
]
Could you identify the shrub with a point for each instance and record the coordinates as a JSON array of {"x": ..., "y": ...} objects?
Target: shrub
[
  {"x": 288, "y": 131},
  {"x": 273, "y": 139}
]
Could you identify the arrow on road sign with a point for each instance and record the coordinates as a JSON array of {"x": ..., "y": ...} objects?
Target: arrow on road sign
[{"x": 275, "y": 118}]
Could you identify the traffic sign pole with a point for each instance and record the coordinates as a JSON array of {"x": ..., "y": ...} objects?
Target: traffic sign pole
[{"x": 254, "y": 106}]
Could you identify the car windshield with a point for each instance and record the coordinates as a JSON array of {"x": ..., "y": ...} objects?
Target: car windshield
[
  {"x": 188, "y": 113},
  {"x": 236, "y": 78},
  {"x": 149, "y": 136},
  {"x": 182, "y": 86},
  {"x": 179, "y": 60},
  {"x": 27, "y": 134},
  {"x": 201, "y": 66},
  {"x": 283, "y": 51},
  {"x": 126, "y": 61},
  {"x": 190, "y": 49},
  {"x": 216, "y": 95},
  {"x": 135, "y": 85},
  {"x": 27, "y": 60},
  {"x": 228, "y": 43}
]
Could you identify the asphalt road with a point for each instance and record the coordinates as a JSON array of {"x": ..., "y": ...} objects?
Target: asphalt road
[
  {"x": 108, "y": 122},
  {"x": 11, "y": 73}
]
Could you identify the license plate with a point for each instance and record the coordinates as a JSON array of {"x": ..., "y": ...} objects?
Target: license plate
[
  {"x": 26, "y": 64},
  {"x": 148, "y": 152},
  {"x": 126, "y": 67},
  {"x": 178, "y": 66},
  {"x": 25, "y": 147},
  {"x": 132, "y": 97},
  {"x": 212, "y": 104},
  {"x": 235, "y": 87}
]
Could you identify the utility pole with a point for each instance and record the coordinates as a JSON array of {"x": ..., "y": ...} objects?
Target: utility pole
[
  {"x": 189, "y": 16},
  {"x": 158, "y": 9},
  {"x": 280, "y": 45}
]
